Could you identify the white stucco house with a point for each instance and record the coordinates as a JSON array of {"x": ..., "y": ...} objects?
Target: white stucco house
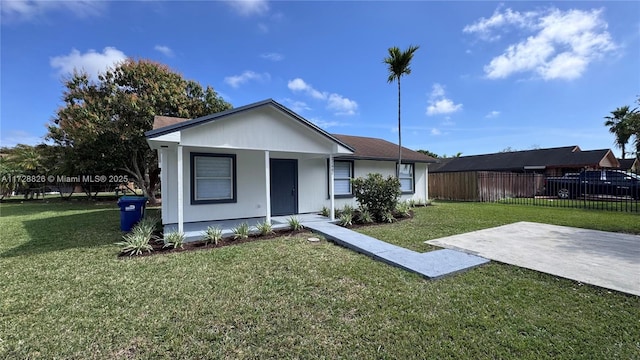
[{"x": 263, "y": 160}]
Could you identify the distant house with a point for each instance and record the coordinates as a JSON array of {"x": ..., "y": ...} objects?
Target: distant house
[
  {"x": 263, "y": 160},
  {"x": 631, "y": 165},
  {"x": 551, "y": 161}
]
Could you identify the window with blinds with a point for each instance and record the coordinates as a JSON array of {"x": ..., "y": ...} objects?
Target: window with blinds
[
  {"x": 213, "y": 178},
  {"x": 342, "y": 174},
  {"x": 406, "y": 178}
]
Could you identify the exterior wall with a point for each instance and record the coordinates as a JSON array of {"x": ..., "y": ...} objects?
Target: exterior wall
[
  {"x": 313, "y": 178},
  {"x": 251, "y": 190},
  {"x": 362, "y": 168}
]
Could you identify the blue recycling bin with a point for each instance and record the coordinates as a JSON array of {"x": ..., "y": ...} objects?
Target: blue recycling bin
[{"x": 131, "y": 211}]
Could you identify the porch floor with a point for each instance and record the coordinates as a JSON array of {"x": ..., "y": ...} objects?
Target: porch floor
[{"x": 193, "y": 231}]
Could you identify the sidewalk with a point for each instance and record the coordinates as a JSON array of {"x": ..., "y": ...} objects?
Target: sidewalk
[{"x": 431, "y": 265}]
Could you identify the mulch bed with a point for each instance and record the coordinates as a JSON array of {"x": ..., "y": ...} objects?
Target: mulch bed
[{"x": 159, "y": 249}]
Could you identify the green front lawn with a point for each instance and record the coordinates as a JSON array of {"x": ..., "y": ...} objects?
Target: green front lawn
[
  {"x": 451, "y": 218},
  {"x": 64, "y": 294}
]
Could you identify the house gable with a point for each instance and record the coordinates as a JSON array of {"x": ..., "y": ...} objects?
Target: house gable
[
  {"x": 264, "y": 128},
  {"x": 264, "y": 125}
]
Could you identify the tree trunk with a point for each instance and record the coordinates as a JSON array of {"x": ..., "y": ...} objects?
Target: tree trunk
[{"x": 399, "y": 135}]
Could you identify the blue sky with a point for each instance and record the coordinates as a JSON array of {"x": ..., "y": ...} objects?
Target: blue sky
[{"x": 487, "y": 76}]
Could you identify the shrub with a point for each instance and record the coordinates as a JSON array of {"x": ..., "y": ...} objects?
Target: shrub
[
  {"x": 376, "y": 194},
  {"x": 265, "y": 228},
  {"x": 213, "y": 235},
  {"x": 148, "y": 225},
  {"x": 136, "y": 242},
  {"x": 412, "y": 203},
  {"x": 387, "y": 216},
  {"x": 326, "y": 212},
  {"x": 241, "y": 231},
  {"x": 347, "y": 209},
  {"x": 365, "y": 217},
  {"x": 346, "y": 220},
  {"x": 174, "y": 239},
  {"x": 403, "y": 209},
  {"x": 295, "y": 224}
]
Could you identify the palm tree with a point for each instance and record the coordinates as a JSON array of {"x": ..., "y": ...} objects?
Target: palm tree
[
  {"x": 620, "y": 125},
  {"x": 398, "y": 62}
]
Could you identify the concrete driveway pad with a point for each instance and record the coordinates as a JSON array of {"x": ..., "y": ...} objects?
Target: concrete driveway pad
[{"x": 605, "y": 259}]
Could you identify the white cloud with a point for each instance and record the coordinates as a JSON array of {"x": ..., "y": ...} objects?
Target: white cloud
[
  {"x": 439, "y": 104},
  {"x": 559, "y": 44},
  {"x": 339, "y": 104},
  {"x": 272, "y": 56},
  {"x": 297, "y": 106},
  {"x": 435, "y": 131},
  {"x": 492, "y": 114},
  {"x": 164, "y": 50},
  {"x": 27, "y": 10},
  {"x": 325, "y": 124},
  {"x": 298, "y": 84},
  {"x": 484, "y": 27},
  {"x": 92, "y": 62},
  {"x": 236, "y": 80},
  {"x": 249, "y": 7}
]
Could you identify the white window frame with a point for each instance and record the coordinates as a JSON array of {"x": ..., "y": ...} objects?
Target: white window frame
[
  {"x": 412, "y": 177},
  {"x": 336, "y": 178}
]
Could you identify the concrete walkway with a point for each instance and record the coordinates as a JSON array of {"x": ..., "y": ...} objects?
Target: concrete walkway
[
  {"x": 605, "y": 259},
  {"x": 431, "y": 265}
]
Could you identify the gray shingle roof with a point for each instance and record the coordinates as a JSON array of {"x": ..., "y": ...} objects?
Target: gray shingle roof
[
  {"x": 379, "y": 149},
  {"x": 568, "y": 156}
]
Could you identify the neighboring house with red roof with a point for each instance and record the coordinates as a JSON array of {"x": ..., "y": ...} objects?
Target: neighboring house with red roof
[{"x": 264, "y": 160}]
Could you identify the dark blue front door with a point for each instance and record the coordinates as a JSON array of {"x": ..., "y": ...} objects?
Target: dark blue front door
[{"x": 284, "y": 187}]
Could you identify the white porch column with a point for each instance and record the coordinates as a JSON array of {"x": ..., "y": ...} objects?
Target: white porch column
[
  {"x": 267, "y": 185},
  {"x": 426, "y": 185},
  {"x": 180, "y": 189},
  {"x": 331, "y": 185},
  {"x": 162, "y": 160}
]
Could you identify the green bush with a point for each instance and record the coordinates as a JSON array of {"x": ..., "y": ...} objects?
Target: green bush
[
  {"x": 346, "y": 219},
  {"x": 365, "y": 217},
  {"x": 241, "y": 231},
  {"x": 174, "y": 240},
  {"x": 265, "y": 228},
  {"x": 136, "y": 242},
  {"x": 387, "y": 216},
  {"x": 326, "y": 212},
  {"x": 213, "y": 235},
  {"x": 295, "y": 224},
  {"x": 377, "y": 194},
  {"x": 148, "y": 226},
  {"x": 403, "y": 209},
  {"x": 347, "y": 209}
]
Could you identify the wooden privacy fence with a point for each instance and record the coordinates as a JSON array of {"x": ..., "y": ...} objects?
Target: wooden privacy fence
[{"x": 484, "y": 185}]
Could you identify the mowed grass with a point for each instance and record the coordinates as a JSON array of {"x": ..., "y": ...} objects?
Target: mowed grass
[
  {"x": 451, "y": 218},
  {"x": 64, "y": 294}
]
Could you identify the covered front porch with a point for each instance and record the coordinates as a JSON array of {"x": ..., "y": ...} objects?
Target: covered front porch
[{"x": 194, "y": 231}]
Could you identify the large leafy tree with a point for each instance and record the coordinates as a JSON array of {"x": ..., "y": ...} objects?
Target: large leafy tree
[
  {"x": 398, "y": 64},
  {"x": 102, "y": 123},
  {"x": 620, "y": 124}
]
